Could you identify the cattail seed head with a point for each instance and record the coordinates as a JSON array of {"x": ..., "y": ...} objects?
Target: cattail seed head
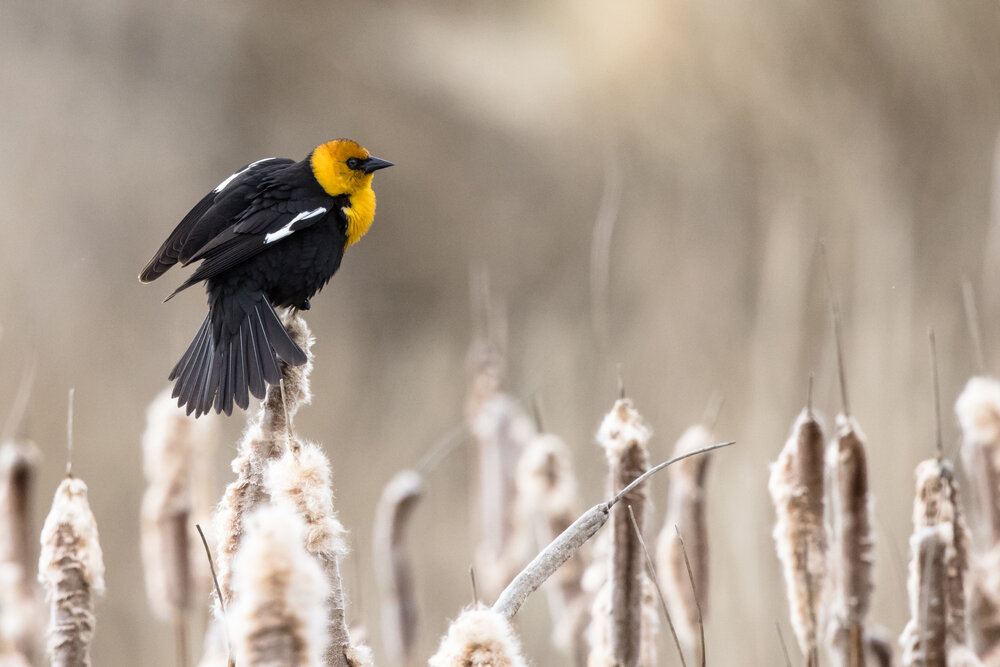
[
  {"x": 796, "y": 487},
  {"x": 278, "y": 617},
  {"x": 71, "y": 570},
  {"x": 479, "y": 637}
]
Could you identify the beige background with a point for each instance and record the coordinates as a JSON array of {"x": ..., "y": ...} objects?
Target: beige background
[{"x": 741, "y": 132}]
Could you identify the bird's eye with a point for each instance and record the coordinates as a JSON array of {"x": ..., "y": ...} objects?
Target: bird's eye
[{"x": 353, "y": 163}]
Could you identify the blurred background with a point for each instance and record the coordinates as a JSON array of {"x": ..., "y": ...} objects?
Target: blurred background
[{"x": 726, "y": 139}]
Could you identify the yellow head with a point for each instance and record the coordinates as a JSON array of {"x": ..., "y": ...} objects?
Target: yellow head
[{"x": 342, "y": 167}]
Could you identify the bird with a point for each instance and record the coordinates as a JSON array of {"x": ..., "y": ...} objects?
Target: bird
[{"x": 269, "y": 236}]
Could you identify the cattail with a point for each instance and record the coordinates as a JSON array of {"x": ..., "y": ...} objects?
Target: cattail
[
  {"x": 20, "y": 613},
  {"x": 171, "y": 444},
  {"x": 547, "y": 500},
  {"x": 978, "y": 411},
  {"x": 266, "y": 438},
  {"x": 796, "y": 487},
  {"x": 300, "y": 481},
  {"x": 501, "y": 428},
  {"x": 984, "y": 606},
  {"x": 278, "y": 617},
  {"x": 625, "y": 437},
  {"x": 392, "y": 565},
  {"x": 852, "y": 557},
  {"x": 71, "y": 570},
  {"x": 924, "y": 638},
  {"x": 686, "y": 513},
  {"x": 936, "y": 503},
  {"x": 215, "y": 651},
  {"x": 479, "y": 637}
]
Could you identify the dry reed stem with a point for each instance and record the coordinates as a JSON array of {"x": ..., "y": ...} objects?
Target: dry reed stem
[
  {"x": 20, "y": 612},
  {"x": 301, "y": 481},
  {"x": 925, "y": 636},
  {"x": 264, "y": 440},
  {"x": 278, "y": 617},
  {"x": 570, "y": 540},
  {"x": 686, "y": 513},
  {"x": 71, "y": 570},
  {"x": 547, "y": 500},
  {"x": 655, "y": 582},
  {"x": 393, "y": 570},
  {"x": 625, "y": 437},
  {"x": 796, "y": 487},
  {"x": 852, "y": 558},
  {"x": 479, "y": 637}
]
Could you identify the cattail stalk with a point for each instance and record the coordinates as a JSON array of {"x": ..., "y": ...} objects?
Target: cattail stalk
[
  {"x": 479, "y": 637},
  {"x": 71, "y": 570},
  {"x": 625, "y": 437},
  {"x": 301, "y": 481},
  {"x": 978, "y": 411},
  {"x": 547, "y": 500},
  {"x": 172, "y": 444},
  {"x": 20, "y": 618},
  {"x": 265, "y": 440},
  {"x": 392, "y": 565},
  {"x": 686, "y": 514},
  {"x": 852, "y": 558},
  {"x": 924, "y": 637},
  {"x": 278, "y": 615},
  {"x": 796, "y": 487}
]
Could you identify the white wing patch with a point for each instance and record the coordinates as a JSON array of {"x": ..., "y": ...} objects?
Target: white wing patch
[
  {"x": 224, "y": 184},
  {"x": 287, "y": 229}
]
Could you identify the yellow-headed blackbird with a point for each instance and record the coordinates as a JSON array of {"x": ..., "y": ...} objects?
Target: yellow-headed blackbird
[{"x": 271, "y": 235}]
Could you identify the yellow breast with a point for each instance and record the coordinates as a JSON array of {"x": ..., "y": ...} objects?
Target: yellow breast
[{"x": 360, "y": 214}]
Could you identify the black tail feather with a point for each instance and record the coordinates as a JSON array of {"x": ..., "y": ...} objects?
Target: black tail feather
[{"x": 215, "y": 374}]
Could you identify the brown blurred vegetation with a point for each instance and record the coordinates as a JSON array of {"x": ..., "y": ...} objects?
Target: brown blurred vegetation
[{"x": 742, "y": 133}]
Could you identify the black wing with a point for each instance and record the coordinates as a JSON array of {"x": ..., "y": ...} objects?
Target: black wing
[
  {"x": 214, "y": 213},
  {"x": 278, "y": 212}
]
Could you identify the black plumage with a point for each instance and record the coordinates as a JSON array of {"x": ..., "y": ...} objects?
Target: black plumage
[{"x": 269, "y": 236}]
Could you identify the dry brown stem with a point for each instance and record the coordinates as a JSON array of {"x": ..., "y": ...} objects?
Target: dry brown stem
[
  {"x": 393, "y": 570},
  {"x": 796, "y": 487},
  {"x": 686, "y": 513},
  {"x": 71, "y": 570},
  {"x": 20, "y": 612}
]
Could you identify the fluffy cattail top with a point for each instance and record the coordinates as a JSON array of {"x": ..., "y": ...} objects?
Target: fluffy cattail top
[
  {"x": 71, "y": 570},
  {"x": 479, "y": 637},
  {"x": 278, "y": 617}
]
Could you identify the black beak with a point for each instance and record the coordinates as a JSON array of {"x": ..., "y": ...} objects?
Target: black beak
[{"x": 374, "y": 164}]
